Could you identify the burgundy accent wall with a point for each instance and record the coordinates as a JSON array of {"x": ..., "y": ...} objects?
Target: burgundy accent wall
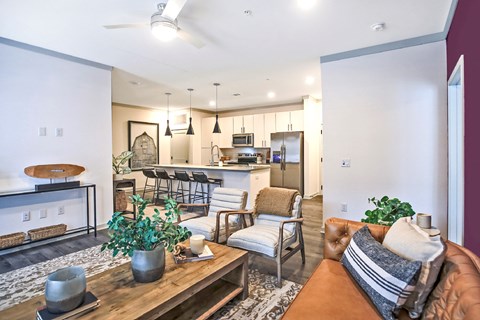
[{"x": 463, "y": 38}]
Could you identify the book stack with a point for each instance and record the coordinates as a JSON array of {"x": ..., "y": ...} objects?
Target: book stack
[
  {"x": 89, "y": 303},
  {"x": 188, "y": 256}
]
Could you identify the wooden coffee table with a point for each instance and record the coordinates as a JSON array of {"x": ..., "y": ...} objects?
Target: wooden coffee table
[{"x": 190, "y": 290}]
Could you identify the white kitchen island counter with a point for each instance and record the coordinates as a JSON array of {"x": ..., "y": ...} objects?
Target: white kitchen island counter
[{"x": 251, "y": 178}]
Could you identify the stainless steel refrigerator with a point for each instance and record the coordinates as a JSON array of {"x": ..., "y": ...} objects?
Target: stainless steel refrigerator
[{"x": 287, "y": 160}]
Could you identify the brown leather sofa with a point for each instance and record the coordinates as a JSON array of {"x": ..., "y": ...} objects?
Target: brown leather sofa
[{"x": 331, "y": 293}]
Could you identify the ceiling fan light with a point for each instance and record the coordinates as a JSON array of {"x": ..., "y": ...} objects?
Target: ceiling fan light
[{"x": 163, "y": 28}]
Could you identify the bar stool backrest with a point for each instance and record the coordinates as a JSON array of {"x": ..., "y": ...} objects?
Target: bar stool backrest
[
  {"x": 227, "y": 199},
  {"x": 162, "y": 174},
  {"x": 149, "y": 173},
  {"x": 182, "y": 175},
  {"x": 199, "y": 177}
]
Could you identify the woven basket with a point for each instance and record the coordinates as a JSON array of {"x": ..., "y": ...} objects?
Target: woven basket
[
  {"x": 120, "y": 200},
  {"x": 47, "y": 232},
  {"x": 12, "y": 239}
]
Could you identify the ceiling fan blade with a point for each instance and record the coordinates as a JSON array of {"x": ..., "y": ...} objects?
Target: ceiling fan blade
[
  {"x": 126, "y": 25},
  {"x": 173, "y": 8},
  {"x": 194, "y": 41}
]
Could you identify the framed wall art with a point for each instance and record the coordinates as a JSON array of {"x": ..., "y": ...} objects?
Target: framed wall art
[{"x": 143, "y": 142}]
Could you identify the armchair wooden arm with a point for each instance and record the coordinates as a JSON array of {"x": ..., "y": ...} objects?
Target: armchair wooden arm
[
  {"x": 299, "y": 222},
  {"x": 242, "y": 214},
  {"x": 217, "y": 222},
  {"x": 193, "y": 205}
]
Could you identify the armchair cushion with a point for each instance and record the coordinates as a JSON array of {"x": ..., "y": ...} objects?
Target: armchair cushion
[
  {"x": 227, "y": 199},
  {"x": 261, "y": 238},
  {"x": 206, "y": 226}
]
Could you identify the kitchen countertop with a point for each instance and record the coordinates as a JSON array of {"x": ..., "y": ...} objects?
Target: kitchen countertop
[{"x": 225, "y": 167}]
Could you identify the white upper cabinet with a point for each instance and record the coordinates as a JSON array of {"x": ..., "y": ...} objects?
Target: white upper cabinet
[
  {"x": 269, "y": 127},
  {"x": 296, "y": 120},
  {"x": 226, "y": 126},
  {"x": 248, "y": 124},
  {"x": 289, "y": 121},
  {"x": 259, "y": 130},
  {"x": 243, "y": 124},
  {"x": 264, "y": 125}
]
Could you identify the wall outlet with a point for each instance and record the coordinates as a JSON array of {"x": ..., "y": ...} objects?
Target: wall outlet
[
  {"x": 25, "y": 216},
  {"x": 43, "y": 213},
  {"x": 42, "y": 131},
  {"x": 344, "y": 207},
  {"x": 58, "y": 132},
  {"x": 61, "y": 210}
]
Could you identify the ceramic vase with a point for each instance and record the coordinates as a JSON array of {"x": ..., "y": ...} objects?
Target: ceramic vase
[
  {"x": 148, "y": 266},
  {"x": 65, "y": 289}
]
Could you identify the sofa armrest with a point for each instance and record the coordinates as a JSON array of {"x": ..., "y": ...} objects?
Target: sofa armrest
[{"x": 338, "y": 233}]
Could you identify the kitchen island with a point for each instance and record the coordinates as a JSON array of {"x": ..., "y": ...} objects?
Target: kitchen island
[{"x": 251, "y": 178}]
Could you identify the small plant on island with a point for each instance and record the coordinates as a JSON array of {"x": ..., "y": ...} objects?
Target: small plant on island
[
  {"x": 387, "y": 211},
  {"x": 145, "y": 233}
]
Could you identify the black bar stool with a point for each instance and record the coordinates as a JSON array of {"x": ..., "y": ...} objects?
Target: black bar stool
[
  {"x": 182, "y": 177},
  {"x": 202, "y": 179},
  {"x": 149, "y": 187},
  {"x": 162, "y": 175}
]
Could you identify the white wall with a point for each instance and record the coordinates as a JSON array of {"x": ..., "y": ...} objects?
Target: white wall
[
  {"x": 121, "y": 114},
  {"x": 41, "y": 90},
  {"x": 387, "y": 112},
  {"x": 312, "y": 146}
]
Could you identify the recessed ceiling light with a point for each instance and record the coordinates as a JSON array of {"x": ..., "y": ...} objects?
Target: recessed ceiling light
[
  {"x": 211, "y": 103},
  {"x": 378, "y": 26},
  {"x": 271, "y": 94},
  {"x": 306, "y": 4},
  {"x": 309, "y": 80}
]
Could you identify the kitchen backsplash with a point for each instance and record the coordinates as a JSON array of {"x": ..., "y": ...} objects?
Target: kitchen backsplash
[{"x": 233, "y": 152}]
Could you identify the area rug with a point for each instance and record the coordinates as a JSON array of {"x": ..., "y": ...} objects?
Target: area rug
[{"x": 265, "y": 300}]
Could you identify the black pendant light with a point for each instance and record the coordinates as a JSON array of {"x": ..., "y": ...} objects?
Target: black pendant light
[
  {"x": 190, "y": 127},
  {"x": 168, "y": 132},
  {"x": 216, "y": 129}
]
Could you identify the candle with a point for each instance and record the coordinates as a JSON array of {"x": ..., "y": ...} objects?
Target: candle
[
  {"x": 196, "y": 243},
  {"x": 424, "y": 220}
]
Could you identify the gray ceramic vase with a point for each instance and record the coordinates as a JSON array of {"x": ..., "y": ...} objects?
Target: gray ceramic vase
[
  {"x": 65, "y": 289},
  {"x": 148, "y": 266}
]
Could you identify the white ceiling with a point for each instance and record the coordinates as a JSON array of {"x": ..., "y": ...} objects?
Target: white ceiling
[{"x": 278, "y": 41}]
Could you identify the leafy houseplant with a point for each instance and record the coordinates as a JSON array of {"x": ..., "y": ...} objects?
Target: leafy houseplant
[
  {"x": 119, "y": 163},
  {"x": 387, "y": 211},
  {"x": 145, "y": 236}
]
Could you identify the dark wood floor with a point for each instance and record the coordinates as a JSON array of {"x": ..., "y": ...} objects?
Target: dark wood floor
[{"x": 293, "y": 269}]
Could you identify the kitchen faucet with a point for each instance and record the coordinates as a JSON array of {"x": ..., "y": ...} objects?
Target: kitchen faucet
[{"x": 212, "y": 162}]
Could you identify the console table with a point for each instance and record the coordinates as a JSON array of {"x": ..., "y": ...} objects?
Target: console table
[{"x": 85, "y": 186}]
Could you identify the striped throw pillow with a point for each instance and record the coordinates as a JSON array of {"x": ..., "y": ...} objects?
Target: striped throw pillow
[{"x": 386, "y": 278}]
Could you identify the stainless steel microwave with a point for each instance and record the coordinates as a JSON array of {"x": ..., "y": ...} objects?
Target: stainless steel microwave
[{"x": 242, "y": 140}]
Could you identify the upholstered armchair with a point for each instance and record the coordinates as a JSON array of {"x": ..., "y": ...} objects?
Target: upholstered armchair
[
  {"x": 275, "y": 225},
  {"x": 213, "y": 224}
]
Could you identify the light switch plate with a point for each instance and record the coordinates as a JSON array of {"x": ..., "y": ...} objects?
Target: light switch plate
[
  {"x": 42, "y": 131},
  {"x": 58, "y": 132}
]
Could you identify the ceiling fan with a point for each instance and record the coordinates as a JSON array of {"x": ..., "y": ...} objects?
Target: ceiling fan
[{"x": 164, "y": 24}]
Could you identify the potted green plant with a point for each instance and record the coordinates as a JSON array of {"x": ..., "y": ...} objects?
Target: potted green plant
[
  {"x": 387, "y": 211},
  {"x": 119, "y": 165},
  {"x": 145, "y": 239}
]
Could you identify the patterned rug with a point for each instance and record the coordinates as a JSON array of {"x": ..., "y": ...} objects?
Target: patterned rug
[{"x": 265, "y": 300}]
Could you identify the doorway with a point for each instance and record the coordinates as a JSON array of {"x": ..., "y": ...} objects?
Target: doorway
[
  {"x": 456, "y": 137},
  {"x": 179, "y": 147}
]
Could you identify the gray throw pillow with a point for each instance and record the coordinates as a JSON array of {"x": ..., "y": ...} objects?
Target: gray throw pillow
[
  {"x": 384, "y": 276},
  {"x": 411, "y": 242}
]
